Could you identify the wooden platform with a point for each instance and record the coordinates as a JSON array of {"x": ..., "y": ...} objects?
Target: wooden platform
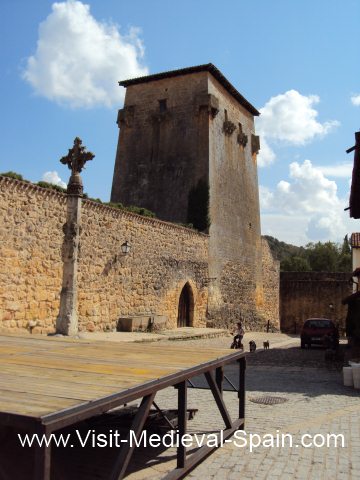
[{"x": 49, "y": 383}]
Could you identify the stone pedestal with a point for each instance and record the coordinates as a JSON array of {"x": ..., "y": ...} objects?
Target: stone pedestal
[{"x": 67, "y": 321}]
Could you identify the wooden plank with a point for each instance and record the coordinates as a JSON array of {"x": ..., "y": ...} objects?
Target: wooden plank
[
  {"x": 42, "y": 376},
  {"x": 78, "y": 378},
  {"x": 60, "y": 388},
  {"x": 31, "y": 404},
  {"x": 146, "y": 350}
]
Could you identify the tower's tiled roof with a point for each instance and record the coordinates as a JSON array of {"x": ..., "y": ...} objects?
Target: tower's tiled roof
[
  {"x": 355, "y": 240},
  {"x": 208, "y": 67}
]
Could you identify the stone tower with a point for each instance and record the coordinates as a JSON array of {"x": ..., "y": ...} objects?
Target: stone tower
[{"x": 187, "y": 151}]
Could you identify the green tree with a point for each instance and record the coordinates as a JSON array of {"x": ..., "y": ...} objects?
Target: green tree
[
  {"x": 323, "y": 257},
  {"x": 198, "y": 206},
  {"x": 344, "y": 263},
  {"x": 326, "y": 257},
  {"x": 295, "y": 264},
  {"x": 345, "y": 248}
]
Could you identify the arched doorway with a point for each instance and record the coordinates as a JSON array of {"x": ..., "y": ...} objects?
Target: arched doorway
[{"x": 186, "y": 307}]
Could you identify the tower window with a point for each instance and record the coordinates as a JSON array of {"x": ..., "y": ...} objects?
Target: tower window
[{"x": 162, "y": 105}]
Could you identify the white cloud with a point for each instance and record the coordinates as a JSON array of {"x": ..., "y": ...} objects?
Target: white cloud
[
  {"x": 266, "y": 197},
  {"x": 309, "y": 199},
  {"x": 340, "y": 170},
  {"x": 289, "y": 119},
  {"x": 266, "y": 155},
  {"x": 79, "y": 60},
  {"x": 355, "y": 100},
  {"x": 53, "y": 177},
  {"x": 288, "y": 228}
]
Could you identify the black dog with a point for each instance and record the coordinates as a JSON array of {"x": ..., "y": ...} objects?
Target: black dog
[{"x": 252, "y": 346}]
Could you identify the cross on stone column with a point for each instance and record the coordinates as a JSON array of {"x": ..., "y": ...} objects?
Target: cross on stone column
[
  {"x": 67, "y": 320},
  {"x": 75, "y": 160}
]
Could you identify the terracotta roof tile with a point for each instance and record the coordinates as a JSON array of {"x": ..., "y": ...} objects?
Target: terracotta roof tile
[{"x": 355, "y": 240}]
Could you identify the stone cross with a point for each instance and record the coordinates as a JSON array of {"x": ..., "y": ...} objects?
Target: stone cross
[
  {"x": 67, "y": 320},
  {"x": 75, "y": 160}
]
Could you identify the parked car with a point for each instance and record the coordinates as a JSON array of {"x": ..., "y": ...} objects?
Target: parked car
[{"x": 320, "y": 331}]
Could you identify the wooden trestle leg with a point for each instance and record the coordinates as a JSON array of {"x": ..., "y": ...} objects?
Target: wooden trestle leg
[
  {"x": 218, "y": 399},
  {"x": 182, "y": 422},
  {"x": 127, "y": 448},
  {"x": 241, "y": 391},
  {"x": 42, "y": 466}
]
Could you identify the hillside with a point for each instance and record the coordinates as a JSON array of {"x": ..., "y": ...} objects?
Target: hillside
[{"x": 316, "y": 257}]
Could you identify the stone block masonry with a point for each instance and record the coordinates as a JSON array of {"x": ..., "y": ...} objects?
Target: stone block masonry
[
  {"x": 187, "y": 150},
  {"x": 148, "y": 281},
  {"x": 31, "y": 220},
  {"x": 310, "y": 294},
  {"x": 270, "y": 295}
]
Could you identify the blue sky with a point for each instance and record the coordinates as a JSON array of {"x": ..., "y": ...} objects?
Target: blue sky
[{"x": 296, "y": 60}]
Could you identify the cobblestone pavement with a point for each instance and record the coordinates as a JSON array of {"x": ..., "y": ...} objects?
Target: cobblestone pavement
[
  {"x": 316, "y": 403},
  {"x": 184, "y": 333},
  {"x": 193, "y": 336}
]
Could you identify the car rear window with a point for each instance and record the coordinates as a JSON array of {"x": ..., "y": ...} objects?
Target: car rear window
[{"x": 318, "y": 324}]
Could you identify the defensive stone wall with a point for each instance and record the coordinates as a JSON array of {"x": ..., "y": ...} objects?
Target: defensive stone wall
[
  {"x": 310, "y": 294},
  {"x": 147, "y": 281},
  {"x": 235, "y": 259},
  {"x": 269, "y": 303},
  {"x": 31, "y": 220}
]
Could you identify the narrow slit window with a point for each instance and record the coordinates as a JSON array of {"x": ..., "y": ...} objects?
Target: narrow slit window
[{"x": 162, "y": 105}]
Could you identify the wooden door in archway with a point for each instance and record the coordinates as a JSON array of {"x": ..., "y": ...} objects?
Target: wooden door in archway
[{"x": 185, "y": 305}]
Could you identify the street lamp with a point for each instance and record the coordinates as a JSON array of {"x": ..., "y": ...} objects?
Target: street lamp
[{"x": 125, "y": 248}]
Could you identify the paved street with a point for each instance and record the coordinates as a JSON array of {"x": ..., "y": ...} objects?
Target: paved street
[{"x": 316, "y": 402}]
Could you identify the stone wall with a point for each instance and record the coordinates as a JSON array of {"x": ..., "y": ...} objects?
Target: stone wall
[
  {"x": 31, "y": 220},
  {"x": 162, "y": 152},
  {"x": 148, "y": 281},
  {"x": 235, "y": 256},
  {"x": 269, "y": 302},
  {"x": 309, "y": 294}
]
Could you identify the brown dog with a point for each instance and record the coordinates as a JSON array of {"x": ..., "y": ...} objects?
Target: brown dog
[{"x": 266, "y": 345}]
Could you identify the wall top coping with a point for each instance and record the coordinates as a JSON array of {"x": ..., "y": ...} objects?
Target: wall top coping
[
  {"x": 208, "y": 67},
  {"x": 23, "y": 185},
  {"x": 27, "y": 185},
  {"x": 314, "y": 276}
]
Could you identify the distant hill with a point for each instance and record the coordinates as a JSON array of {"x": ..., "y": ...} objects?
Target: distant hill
[
  {"x": 316, "y": 257},
  {"x": 282, "y": 250}
]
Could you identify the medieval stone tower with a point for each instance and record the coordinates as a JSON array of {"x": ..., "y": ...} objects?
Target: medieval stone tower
[{"x": 187, "y": 151}]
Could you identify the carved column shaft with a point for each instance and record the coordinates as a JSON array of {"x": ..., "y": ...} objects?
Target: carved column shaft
[{"x": 67, "y": 321}]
